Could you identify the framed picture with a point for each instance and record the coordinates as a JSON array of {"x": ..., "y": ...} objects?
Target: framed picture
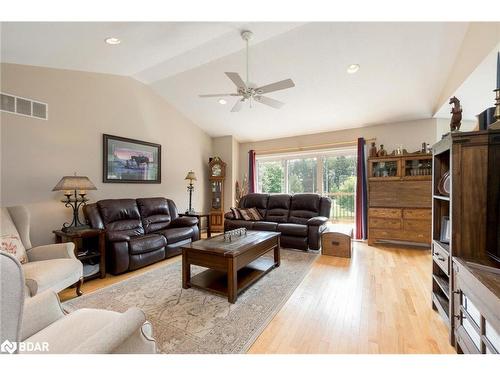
[
  {"x": 445, "y": 230},
  {"x": 128, "y": 160}
]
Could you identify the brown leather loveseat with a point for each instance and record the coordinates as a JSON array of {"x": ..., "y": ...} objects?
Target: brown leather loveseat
[
  {"x": 140, "y": 231},
  {"x": 301, "y": 218}
]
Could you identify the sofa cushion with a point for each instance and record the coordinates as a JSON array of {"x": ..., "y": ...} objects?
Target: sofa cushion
[
  {"x": 230, "y": 224},
  {"x": 256, "y": 200},
  {"x": 278, "y": 208},
  {"x": 118, "y": 209},
  {"x": 146, "y": 243},
  {"x": 155, "y": 213},
  {"x": 303, "y": 207},
  {"x": 288, "y": 229},
  {"x": 265, "y": 225},
  {"x": 123, "y": 235},
  {"x": 174, "y": 235},
  {"x": 53, "y": 274},
  {"x": 77, "y": 327}
]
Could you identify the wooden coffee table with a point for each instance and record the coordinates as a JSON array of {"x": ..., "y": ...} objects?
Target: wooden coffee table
[{"x": 232, "y": 265}]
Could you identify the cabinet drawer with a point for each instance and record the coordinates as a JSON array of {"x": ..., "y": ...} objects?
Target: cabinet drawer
[
  {"x": 417, "y": 213},
  {"x": 442, "y": 259},
  {"x": 386, "y": 234},
  {"x": 385, "y": 213},
  {"x": 420, "y": 226},
  {"x": 375, "y": 222},
  {"x": 420, "y": 237}
]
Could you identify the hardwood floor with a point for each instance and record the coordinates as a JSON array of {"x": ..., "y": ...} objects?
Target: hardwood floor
[{"x": 376, "y": 302}]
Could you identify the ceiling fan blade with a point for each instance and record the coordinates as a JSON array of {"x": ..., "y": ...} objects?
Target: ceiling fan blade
[
  {"x": 237, "y": 80},
  {"x": 270, "y": 102},
  {"x": 280, "y": 85},
  {"x": 237, "y": 106},
  {"x": 216, "y": 95}
]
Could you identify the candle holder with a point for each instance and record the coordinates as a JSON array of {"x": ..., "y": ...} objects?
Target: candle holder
[
  {"x": 75, "y": 190},
  {"x": 75, "y": 201},
  {"x": 496, "y": 124}
]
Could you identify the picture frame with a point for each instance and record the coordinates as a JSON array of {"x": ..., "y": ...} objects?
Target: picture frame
[
  {"x": 127, "y": 160},
  {"x": 445, "y": 230}
]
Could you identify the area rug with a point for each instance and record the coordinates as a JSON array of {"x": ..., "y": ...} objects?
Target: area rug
[{"x": 195, "y": 321}]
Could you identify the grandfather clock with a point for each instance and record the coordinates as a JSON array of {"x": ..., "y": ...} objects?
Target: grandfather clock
[{"x": 217, "y": 173}]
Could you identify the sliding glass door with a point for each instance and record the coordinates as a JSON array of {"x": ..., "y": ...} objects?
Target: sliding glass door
[{"x": 329, "y": 173}]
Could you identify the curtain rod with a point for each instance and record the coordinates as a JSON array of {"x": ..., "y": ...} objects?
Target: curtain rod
[{"x": 314, "y": 147}]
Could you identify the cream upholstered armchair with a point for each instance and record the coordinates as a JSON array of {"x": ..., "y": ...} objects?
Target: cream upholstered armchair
[
  {"x": 40, "y": 325},
  {"x": 49, "y": 267}
]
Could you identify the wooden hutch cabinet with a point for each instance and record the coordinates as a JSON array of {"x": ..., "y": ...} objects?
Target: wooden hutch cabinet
[
  {"x": 217, "y": 174},
  {"x": 399, "y": 198}
]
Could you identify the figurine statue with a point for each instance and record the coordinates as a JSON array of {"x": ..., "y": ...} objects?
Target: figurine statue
[
  {"x": 382, "y": 152},
  {"x": 456, "y": 114},
  {"x": 373, "y": 150}
]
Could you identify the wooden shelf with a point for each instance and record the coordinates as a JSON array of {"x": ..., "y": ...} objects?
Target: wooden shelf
[
  {"x": 443, "y": 284},
  {"x": 216, "y": 281},
  {"x": 442, "y": 305}
]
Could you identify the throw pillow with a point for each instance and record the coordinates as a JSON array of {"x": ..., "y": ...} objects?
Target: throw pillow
[
  {"x": 12, "y": 244},
  {"x": 245, "y": 214},
  {"x": 255, "y": 214},
  {"x": 236, "y": 213}
]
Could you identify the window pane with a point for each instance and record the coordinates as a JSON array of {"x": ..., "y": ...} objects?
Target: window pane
[
  {"x": 339, "y": 183},
  {"x": 302, "y": 176},
  {"x": 270, "y": 177}
]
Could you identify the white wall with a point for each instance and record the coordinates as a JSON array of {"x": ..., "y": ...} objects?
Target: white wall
[
  {"x": 410, "y": 134},
  {"x": 227, "y": 149},
  {"x": 35, "y": 154}
]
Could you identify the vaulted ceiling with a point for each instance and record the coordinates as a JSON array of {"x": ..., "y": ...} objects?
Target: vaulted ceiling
[{"x": 403, "y": 67}]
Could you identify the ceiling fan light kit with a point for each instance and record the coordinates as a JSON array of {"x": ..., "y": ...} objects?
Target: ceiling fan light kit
[{"x": 247, "y": 91}]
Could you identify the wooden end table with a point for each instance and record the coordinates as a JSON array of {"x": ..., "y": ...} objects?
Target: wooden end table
[
  {"x": 233, "y": 265},
  {"x": 89, "y": 246},
  {"x": 199, "y": 216}
]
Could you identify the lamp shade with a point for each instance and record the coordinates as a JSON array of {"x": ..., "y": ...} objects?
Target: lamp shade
[
  {"x": 74, "y": 183},
  {"x": 191, "y": 176}
]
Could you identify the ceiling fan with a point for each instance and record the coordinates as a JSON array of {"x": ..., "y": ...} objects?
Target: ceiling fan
[{"x": 247, "y": 91}]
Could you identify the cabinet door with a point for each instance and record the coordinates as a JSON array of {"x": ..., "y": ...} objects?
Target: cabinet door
[
  {"x": 416, "y": 168},
  {"x": 384, "y": 169},
  {"x": 216, "y": 194}
]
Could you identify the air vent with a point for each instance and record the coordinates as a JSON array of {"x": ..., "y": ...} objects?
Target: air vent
[{"x": 23, "y": 106}]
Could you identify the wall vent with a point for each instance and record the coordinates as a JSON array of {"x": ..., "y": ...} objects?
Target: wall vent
[{"x": 23, "y": 106}]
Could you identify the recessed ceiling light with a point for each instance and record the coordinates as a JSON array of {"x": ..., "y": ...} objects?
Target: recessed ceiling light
[
  {"x": 222, "y": 101},
  {"x": 353, "y": 68},
  {"x": 112, "y": 40}
]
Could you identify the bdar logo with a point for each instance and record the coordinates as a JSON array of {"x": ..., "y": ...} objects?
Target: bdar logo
[{"x": 8, "y": 347}]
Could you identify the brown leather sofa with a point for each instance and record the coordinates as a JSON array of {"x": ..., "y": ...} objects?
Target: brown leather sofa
[
  {"x": 140, "y": 231},
  {"x": 301, "y": 218}
]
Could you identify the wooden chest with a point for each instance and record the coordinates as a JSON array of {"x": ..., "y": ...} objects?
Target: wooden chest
[{"x": 337, "y": 241}]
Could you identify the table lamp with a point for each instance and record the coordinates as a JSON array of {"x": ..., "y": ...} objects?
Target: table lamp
[
  {"x": 191, "y": 177},
  {"x": 75, "y": 189}
]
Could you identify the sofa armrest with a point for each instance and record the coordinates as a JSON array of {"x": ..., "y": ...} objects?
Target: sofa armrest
[
  {"x": 117, "y": 236},
  {"x": 53, "y": 251},
  {"x": 39, "y": 312},
  {"x": 184, "y": 221},
  {"x": 317, "y": 220},
  {"x": 229, "y": 215}
]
